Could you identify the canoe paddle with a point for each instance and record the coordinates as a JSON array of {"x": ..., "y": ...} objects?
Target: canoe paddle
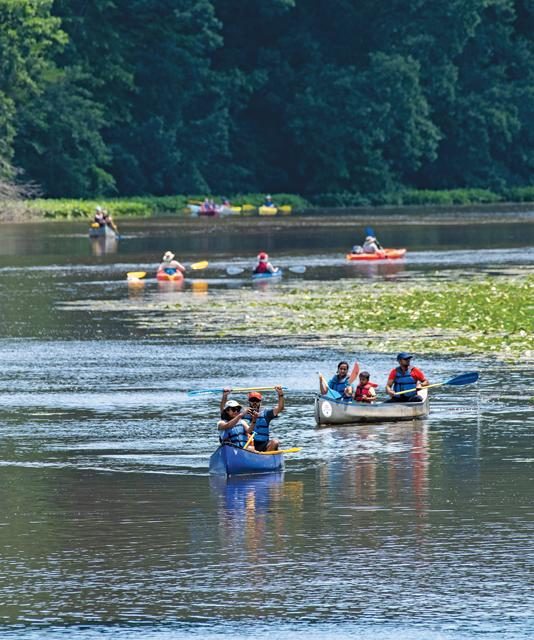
[
  {"x": 234, "y": 271},
  {"x": 271, "y": 453},
  {"x": 137, "y": 275},
  {"x": 463, "y": 378},
  {"x": 198, "y": 391}
]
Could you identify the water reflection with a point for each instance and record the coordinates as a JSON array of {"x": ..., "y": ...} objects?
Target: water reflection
[
  {"x": 199, "y": 287},
  {"x": 104, "y": 245},
  {"x": 371, "y": 270}
]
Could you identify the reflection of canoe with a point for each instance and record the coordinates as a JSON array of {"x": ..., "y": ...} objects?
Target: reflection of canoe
[
  {"x": 104, "y": 231},
  {"x": 385, "y": 254},
  {"x": 231, "y": 460},
  {"x": 175, "y": 276},
  {"x": 267, "y": 275},
  {"x": 329, "y": 411}
]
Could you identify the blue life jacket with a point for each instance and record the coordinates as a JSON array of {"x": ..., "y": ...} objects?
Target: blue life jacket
[
  {"x": 236, "y": 435},
  {"x": 170, "y": 270},
  {"x": 404, "y": 381},
  {"x": 337, "y": 385},
  {"x": 261, "y": 428}
]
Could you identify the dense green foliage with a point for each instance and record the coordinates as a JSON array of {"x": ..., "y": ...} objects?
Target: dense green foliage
[{"x": 363, "y": 98}]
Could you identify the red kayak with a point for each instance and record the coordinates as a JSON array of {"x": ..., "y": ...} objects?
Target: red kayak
[
  {"x": 175, "y": 276},
  {"x": 385, "y": 254}
]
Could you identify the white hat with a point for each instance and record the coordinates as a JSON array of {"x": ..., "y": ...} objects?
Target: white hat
[
  {"x": 232, "y": 404},
  {"x": 168, "y": 256},
  {"x": 98, "y": 208}
]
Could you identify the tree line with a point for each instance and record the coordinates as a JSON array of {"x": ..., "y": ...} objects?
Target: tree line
[{"x": 135, "y": 97}]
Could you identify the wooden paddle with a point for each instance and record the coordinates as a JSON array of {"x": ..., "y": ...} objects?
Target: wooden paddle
[
  {"x": 271, "y": 453},
  {"x": 463, "y": 378}
]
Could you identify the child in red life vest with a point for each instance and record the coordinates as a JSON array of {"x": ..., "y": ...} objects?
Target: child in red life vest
[{"x": 365, "y": 391}]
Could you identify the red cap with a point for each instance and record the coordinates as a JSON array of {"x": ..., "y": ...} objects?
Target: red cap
[
  {"x": 263, "y": 256},
  {"x": 255, "y": 395}
]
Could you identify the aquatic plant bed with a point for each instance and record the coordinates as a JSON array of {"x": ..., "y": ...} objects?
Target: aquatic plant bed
[{"x": 489, "y": 315}]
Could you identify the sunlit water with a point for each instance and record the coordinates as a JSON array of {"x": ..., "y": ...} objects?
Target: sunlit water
[{"x": 112, "y": 527}]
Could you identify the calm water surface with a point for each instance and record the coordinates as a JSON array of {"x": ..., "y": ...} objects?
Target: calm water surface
[{"x": 111, "y": 525}]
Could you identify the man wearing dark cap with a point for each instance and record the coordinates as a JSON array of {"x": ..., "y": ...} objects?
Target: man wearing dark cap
[{"x": 405, "y": 377}]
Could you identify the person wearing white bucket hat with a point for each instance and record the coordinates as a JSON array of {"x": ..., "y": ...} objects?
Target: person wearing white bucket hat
[
  {"x": 169, "y": 265},
  {"x": 233, "y": 429}
]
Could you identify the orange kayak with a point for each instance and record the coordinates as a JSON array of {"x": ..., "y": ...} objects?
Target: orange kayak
[
  {"x": 385, "y": 254},
  {"x": 175, "y": 276}
]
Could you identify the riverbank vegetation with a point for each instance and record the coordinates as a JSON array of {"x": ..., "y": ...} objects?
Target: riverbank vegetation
[
  {"x": 144, "y": 207},
  {"x": 347, "y": 104},
  {"x": 482, "y": 316}
]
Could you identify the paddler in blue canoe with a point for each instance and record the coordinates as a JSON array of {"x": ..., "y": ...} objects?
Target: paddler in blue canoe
[
  {"x": 260, "y": 419},
  {"x": 233, "y": 428}
]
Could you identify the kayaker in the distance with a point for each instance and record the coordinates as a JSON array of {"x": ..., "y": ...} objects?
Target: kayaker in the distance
[
  {"x": 169, "y": 264},
  {"x": 263, "y": 265},
  {"x": 268, "y": 202},
  {"x": 405, "y": 377}
]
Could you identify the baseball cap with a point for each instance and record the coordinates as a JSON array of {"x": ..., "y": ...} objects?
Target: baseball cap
[
  {"x": 255, "y": 395},
  {"x": 404, "y": 355}
]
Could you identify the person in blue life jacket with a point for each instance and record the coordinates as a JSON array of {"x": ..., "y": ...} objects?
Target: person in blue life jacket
[
  {"x": 405, "y": 377},
  {"x": 169, "y": 264},
  {"x": 260, "y": 419},
  {"x": 268, "y": 201},
  {"x": 341, "y": 382},
  {"x": 233, "y": 428}
]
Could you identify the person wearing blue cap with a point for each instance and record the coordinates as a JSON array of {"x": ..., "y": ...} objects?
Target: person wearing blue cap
[{"x": 405, "y": 377}]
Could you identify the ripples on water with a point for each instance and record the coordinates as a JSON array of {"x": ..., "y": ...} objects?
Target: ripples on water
[{"x": 111, "y": 525}]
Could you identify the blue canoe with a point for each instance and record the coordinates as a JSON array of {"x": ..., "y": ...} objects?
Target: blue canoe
[
  {"x": 232, "y": 461},
  {"x": 268, "y": 275}
]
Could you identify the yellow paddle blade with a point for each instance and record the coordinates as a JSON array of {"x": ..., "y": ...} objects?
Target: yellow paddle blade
[
  {"x": 95, "y": 225},
  {"x": 270, "y": 453},
  {"x": 199, "y": 265},
  {"x": 135, "y": 275}
]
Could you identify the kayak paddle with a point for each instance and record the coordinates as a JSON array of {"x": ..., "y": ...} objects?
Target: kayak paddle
[
  {"x": 198, "y": 391},
  {"x": 135, "y": 275},
  {"x": 234, "y": 271},
  {"x": 198, "y": 265},
  {"x": 271, "y": 453},
  {"x": 463, "y": 378}
]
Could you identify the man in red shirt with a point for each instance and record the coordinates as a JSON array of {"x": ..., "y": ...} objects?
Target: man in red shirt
[{"x": 405, "y": 377}]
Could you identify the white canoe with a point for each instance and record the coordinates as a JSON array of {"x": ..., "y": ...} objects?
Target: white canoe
[{"x": 329, "y": 411}]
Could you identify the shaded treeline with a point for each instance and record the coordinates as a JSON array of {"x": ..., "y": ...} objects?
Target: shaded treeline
[{"x": 308, "y": 96}]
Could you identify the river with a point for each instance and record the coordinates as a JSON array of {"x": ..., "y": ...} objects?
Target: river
[{"x": 111, "y": 525}]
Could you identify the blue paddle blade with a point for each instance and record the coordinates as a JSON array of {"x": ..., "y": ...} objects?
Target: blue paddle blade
[
  {"x": 464, "y": 378},
  {"x": 298, "y": 269},
  {"x": 333, "y": 394},
  {"x": 234, "y": 271},
  {"x": 369, "y": 231}
]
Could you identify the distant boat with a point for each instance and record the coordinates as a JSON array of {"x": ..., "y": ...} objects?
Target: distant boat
[
  {"x": 384, "y": 254},
  {"x": 102, "y": 231}
]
